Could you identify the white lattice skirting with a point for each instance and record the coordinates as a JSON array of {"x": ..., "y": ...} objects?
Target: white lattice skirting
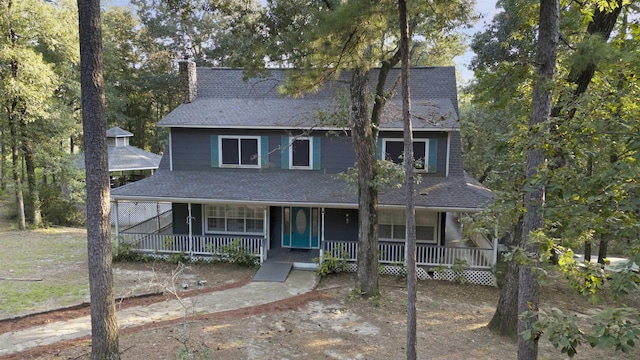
[{"x": 478, "y": 277}]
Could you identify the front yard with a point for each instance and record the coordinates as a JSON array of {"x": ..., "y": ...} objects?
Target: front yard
[{"x": 46, "y": 269}]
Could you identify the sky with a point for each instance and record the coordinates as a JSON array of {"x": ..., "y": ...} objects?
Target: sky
[{"x": 486, "y": 8}]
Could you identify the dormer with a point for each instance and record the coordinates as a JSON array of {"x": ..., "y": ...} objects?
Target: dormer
[{"x": 118, "y": 137}]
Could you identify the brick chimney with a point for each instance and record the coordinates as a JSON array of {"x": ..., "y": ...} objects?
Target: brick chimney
[{"x": 188, "y": 81}]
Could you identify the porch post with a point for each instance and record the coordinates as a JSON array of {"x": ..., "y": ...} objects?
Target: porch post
[
  {"x": 117, "y": 217},
  {"x": 265, "y": 229},
  {"x": 189, "y": 218},
  {"x": 322, "y": 238}
]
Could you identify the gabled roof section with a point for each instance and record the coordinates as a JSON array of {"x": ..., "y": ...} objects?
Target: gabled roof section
[
  {"x": 124, "y": 158},
  {"x": 225, "y": 100},
  {"x": 127, "y": 158}
]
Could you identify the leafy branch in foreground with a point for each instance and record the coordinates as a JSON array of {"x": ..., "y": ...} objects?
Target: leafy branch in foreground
[
  {"x": 389, "y": 176},
  {"x": 617, "y": 328}
]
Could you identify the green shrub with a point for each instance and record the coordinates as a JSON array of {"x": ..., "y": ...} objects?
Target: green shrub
[
  {"x": 332, "y": 264},
  {"x": 235, "y": 253},
  {"x": 178, "y": 258},
  {"x": 126, "y": 252},
  {"x": 58, "y": 209},
  {"x": 458, "y": 268}
]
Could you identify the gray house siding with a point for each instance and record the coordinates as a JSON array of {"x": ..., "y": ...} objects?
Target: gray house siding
[
  {"x": 336, "y": 227},
  {"x": 195, "y": 150},
  {"x": 337, "y": 154},
  {"x": 455, "y": 160},
  {"x": 190, "y": 149},
  {"x": 275, "y": 226}
]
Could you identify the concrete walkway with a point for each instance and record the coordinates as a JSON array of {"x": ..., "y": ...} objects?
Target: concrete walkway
[{"x": 252, "y": 294}]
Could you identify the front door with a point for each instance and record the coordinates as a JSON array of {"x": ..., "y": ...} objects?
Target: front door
[{"x": 300, "y": 227}]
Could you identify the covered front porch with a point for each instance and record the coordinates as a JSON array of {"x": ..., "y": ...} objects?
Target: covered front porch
[{"x": 445, "y": 259}]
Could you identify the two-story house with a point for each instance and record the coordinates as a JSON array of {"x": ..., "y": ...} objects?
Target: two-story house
[{"x": 245, "y": 163}]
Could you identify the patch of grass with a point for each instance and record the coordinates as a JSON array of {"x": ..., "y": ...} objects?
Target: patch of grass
[
  {"x": 19, "y": 297},
  {"x": 57, "y": 255}
]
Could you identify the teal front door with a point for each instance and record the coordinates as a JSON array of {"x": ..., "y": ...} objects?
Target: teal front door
[{"x": 301, "y": 228}]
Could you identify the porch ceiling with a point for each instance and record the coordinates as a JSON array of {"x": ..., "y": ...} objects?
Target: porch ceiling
[{"x": 296, "y": 187}]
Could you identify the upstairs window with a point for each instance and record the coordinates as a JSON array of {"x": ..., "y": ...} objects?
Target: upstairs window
[
  {"x": 300, "y": 153},
  {"x": 393, "y": 150},
  {"x": 238, "y": 151}
]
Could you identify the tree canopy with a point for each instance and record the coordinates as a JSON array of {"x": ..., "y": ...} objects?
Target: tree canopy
[{"x": 590, "y": 147}]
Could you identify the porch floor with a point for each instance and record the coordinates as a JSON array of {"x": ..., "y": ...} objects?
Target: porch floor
[{"x": 293, "y": 255}]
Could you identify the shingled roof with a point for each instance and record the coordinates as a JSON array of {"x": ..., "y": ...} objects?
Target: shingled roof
[
  {"x": 125, "y": 157},
  {"x": 460, "y": 193},
  {"x": 225, "y": 100}
]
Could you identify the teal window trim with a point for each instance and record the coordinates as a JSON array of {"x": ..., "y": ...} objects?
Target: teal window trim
[
  {"x": 379, "y": 152},
  {"x": 215, "y": 157},
  {"x": 432, "y": 156},
  {"x": 317, "y": 155}
]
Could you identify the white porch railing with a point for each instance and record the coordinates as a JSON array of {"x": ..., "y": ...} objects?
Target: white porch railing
[
  {"x": 426, "y": 254},
  {"x": 194, "y": 245}
]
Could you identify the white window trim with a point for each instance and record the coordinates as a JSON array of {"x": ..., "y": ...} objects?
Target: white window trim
[
  {"x": 426, "y": 150},
  {"x": 206, "y": 221},
  {"x": 239, "y": 138},
  {"x": 291, "y": 140},
  {"x": 435, "y": 232}
]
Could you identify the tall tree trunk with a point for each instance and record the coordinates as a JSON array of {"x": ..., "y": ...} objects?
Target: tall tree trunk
[
  {"x": 104, "y": 326},
  {"x": 580, "y": 75},
  {"x": 364, "y": 135},
  {"x": 410, "y": 241},
  {"x": 505, "y": 319},
  {"x": 587, "y": 250},
  {"x": 364, "y": 139},
  {"x": 546, "y": 51},
  {"x": 602, "y": 250},
  {"x": 15, "y": 160},
  {"x": 3, "y": 160},
  {"x": 587, "y": 243},
  {"x": 34, "y": 197},
  {"x": 15, "y": 113}
]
